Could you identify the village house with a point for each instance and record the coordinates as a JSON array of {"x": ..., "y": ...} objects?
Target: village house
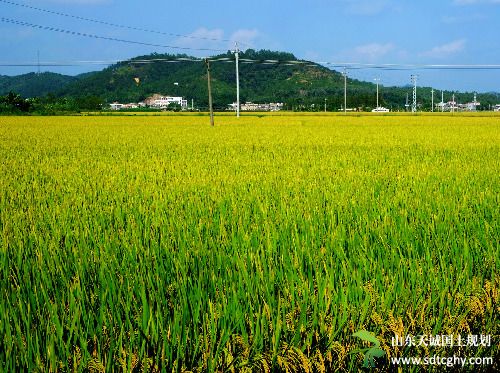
[
  {"x": 156, "y": 101},
  {"x": 250, "y": 106},
  {"x": 116, "y": 106},
  {"x": 454, "y": 106},
  {"x": 162, "y": 102}
]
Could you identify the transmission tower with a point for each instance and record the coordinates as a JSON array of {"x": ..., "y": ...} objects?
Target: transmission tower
[{"x": 414, "y": 104}]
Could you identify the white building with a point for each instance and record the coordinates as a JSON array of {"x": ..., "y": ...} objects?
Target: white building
[
  {"x": 496, "y": 107},
  {"x": 131, "y": 105},
  {"x": 471, "y": 106},
  {"x": 155, "y": 101},
  {"x": 162, "y": 102},
  {"x": 454, "y": 106},
  {"x": 116, "y": 106},
  {"x": 119, "y": 106},
  {"x": 380, "y": 109},
  {"x": 250, "y": 106}
]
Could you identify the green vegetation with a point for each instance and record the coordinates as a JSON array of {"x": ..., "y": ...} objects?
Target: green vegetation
[
  {"x": 261, "y": 244},
  {"x": 14, "y": 104},
  {"x": 35, "y": 85},
  {"x": 300, "y": 87}
]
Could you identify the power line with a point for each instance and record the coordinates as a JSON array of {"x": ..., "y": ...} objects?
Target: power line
[
  {"x": 27, "y": 24},
  {"x": 341, "y": 65},
  {"x": 358, "y": 65},
  {"x": 155, "y": 60},
  {"x": 344, "y": 65},
  {"x": 350, "y": 65},
  {"x": 230, "y": 59},
  {"x": 113, "y": 24},
  {"x": 58, "y": 64}
]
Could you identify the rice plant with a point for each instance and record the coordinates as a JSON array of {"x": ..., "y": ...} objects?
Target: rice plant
[{"x": 261, "y": 244}]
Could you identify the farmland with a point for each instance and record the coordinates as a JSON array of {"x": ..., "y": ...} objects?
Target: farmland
[{"x": 261, "y": 244}]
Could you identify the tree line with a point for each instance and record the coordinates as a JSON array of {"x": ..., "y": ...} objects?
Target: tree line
[{"x": 15, "y": 104}]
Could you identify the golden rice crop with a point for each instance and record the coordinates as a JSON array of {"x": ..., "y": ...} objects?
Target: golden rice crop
[{"x": 261, "y": 244}]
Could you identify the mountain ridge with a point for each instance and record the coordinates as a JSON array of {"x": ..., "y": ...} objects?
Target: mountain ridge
[{"x": 265, "y": 76}]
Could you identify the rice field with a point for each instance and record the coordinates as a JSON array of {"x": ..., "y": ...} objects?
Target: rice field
[{"x": 159, "y": 243}]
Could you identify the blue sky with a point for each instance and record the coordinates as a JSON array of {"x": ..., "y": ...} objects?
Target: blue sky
[{"x": 363, "y": 31}]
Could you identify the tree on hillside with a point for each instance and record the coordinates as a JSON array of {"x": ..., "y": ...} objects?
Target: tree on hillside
[{"x": 13, "y": 102}]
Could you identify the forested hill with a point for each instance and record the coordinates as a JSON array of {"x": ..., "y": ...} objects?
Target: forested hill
[
  {"x": 34, "y": 85},
  {"x": 259, "y": 82},
  {"x": 298, "y": 86}
]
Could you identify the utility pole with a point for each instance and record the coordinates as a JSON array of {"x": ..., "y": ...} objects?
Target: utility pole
[
  {"x": 236, "y": 54},
  {"x": 442, "y": 101},
  {"x": 432, "y": 107},
  {"x": 377, "y": 80},
  {"x": 207, "y": 62},
  {"x": 325, "y": 105},
  {"x": 414, "y": 104},
  {"x": 345, "y": 90},
  {"x": 38, "y": 59}
]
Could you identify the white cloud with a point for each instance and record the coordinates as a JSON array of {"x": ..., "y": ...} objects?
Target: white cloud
[
  {"x": 445, "y": 50},
  {"x": 245, "y": 38},
  {"x": 206, "y": 34},
  {"x": 367, "y": 53},
  {"x": 463, "y": 19},
  {"x": 373, "y": 51}
]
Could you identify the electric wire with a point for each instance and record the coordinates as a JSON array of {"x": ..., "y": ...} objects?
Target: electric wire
[
  {"x": 338, "y": 65},
  {"x": 115, "y": 24},
  {"x": 70, "y": 32},
  {"x": 327, "y": 64}
]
